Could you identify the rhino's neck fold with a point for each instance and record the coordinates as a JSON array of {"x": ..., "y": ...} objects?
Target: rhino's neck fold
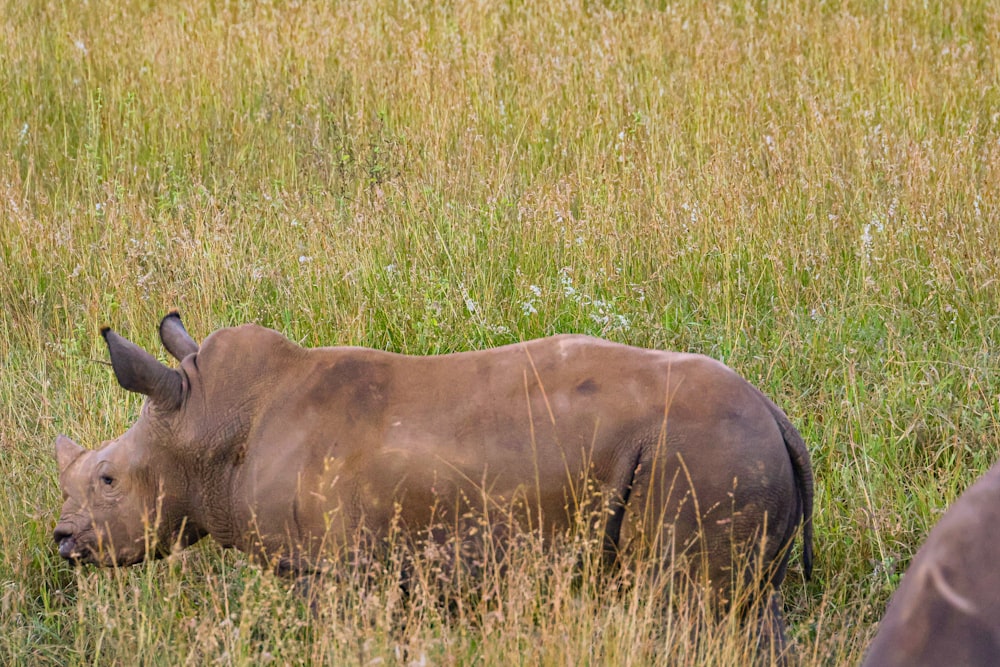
[{"x": 218, "y": 470}]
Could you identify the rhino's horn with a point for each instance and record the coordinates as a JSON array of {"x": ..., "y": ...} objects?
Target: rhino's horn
[
  {"x": 141, "y": 372},
  {"x": 175, "y": 337}
]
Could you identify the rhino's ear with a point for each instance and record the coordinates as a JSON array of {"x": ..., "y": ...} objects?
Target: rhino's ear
[
  {"x": 175, "y": 337},
  {"x": 139, "y": 371},
  {"x": 67, "y": 451}
]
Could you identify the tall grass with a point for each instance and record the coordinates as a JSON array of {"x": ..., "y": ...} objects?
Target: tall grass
[{"x": 806, "y": 190}]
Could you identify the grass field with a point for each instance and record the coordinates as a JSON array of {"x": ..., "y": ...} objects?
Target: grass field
[{"x": 805, "y": 190}]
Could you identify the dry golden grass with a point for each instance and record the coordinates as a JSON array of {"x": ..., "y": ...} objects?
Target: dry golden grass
[{"x": 806, "y": 190}]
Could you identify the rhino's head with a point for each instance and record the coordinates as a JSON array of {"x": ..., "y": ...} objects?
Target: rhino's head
[{"x": 130, "y": 496}]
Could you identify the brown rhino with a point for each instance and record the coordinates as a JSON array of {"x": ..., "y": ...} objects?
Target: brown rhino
[
  {"x": 290, "y": 453},
  {"x": 946, "y": 611}
]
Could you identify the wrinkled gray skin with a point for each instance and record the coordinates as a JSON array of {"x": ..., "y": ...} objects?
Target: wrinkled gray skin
[
  {"x": 947, "y": 609},
  {"x": 273, "y": 449}
]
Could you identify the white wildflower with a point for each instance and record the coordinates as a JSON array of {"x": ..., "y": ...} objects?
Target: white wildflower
[{"x": 567, "y": 283}]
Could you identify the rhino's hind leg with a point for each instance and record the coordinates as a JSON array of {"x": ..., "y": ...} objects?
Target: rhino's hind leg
[
  {"x": 772, "y": 644},
  {"x": 708, "y": 554}
]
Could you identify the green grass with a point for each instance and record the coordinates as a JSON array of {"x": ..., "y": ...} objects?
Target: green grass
[{"x": 808, "y": 191}]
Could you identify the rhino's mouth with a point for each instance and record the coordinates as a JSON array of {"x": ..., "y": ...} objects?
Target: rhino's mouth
[
  {"x": 68, "y": 550},
  {"x": 73, "y": 546},
  {"x": 71, "y": 549},
  {"x": 79, "y": 549}
]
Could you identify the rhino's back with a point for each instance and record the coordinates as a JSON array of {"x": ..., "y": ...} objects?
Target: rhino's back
[{"x": 561, "y": 394}]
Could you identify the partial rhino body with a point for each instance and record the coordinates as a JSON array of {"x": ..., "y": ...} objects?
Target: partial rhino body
[
  {"x": 946, "y": 611},
  {"x": 291, "y": 453}
]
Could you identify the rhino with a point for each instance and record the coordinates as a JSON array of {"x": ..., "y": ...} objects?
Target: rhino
[
  {"x": 946, "y": 611},
  {"x": 290, "y": 453}
]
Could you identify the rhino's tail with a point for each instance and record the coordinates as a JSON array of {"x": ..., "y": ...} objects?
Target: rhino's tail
[{"x": 799, "y": 456}]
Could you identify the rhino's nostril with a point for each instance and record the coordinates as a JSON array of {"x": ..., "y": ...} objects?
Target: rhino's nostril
[{"x": 61, "y": 534}]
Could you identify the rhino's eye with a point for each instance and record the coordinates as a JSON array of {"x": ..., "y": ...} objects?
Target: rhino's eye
[{"x": 107, "y": 480}]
